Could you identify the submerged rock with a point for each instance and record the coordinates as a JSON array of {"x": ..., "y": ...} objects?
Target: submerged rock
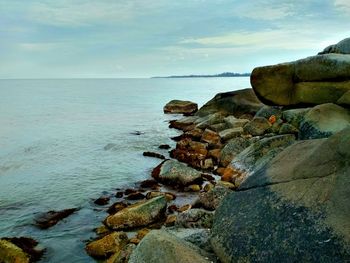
[
  {"x": 174, "y": 173},
  {"x": 180, "y": 106},
  {"x": 138, "y": 215},
  {"x": 295, "y": 209},
  {"x": 153, "y": 154},
  {"x": 160, "y": 246},
  {"x": 323, "y": 121},
  {"x": 103, "y": 200},
  {"x": 51, "y": 218}
]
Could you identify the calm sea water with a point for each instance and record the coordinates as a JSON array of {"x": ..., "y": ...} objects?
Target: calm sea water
[{"x": 52, "y": 156}]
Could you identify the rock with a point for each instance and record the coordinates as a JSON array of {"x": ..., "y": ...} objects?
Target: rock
[
  {"x": 257, "y": 126},
  {"x": 207, "y": 187},
  {"x": 142, "y": 233},
  {"x": 170, "y": 220},
  {"x": 184, "y": 208},
  {"x": 343, "y": 47},
  {"x": 135, "y": 196},
  {"x": 230, "y": 133},
  {"x": 160, "y": 246},
  {"x": 287, "y": 128},
  {"x": 197, "y": 236},
  {"x": 172, "y": 209},
  {"x": 134, "y": 240},
  {"x": 323, "y": 121},
  {"x": 51, "y": 218},
  {"x": 19, "y": 249},
  {"x": 226, "y": 185},
  {"x": 215, "y": 154},
  {"x": 229, "y": 174},
  {"x": 102, "y": 230},
  {"x": 261, "y": 152},
  {"x": 183, "y": 123},
  {"x": 232, "y": 149},
  {"x": 103, "y": 200},
  {"x": 116, "y": 207},
  {"x": 296, "y": 209},
  {"x": 107, "y": 246},
  {"x": 174, "y": 173},
  {"x": 314, "y": 80},
  {"x": 195, "y": 218},
  {"x": 123, "y": 256},
  {"x": 10, "y": 253},
  {"x": 119, "y": 194},
  {"x": 180, "y": 106},
  {"x": 164, "y": 146},
  {"x": 232, "y": 103},
  {"x": 130, "y": 191},
  {"x": 137, "y": 133},
  {"x": 207, "y": 164},
  {"x": 193, "y": 188},
  {"x": 194, "y": 134},
  {"x": 210, "y": 137},
  {"x": 210, "y": 200},
  {"x": 232, "y": 122},
  {"x": 218, "y": 127},
  {"x": 209, "y": 120},
  {"x": 167, "y": 195},
  {"x": 153, "y": 154},
  {"x": 345, "y": 99},
  {"x": 294, "y": 116},
  {"x": 138, "y": 215},
  {"x": 149, "y": 183},
  {"x": 267, "y": 111}
]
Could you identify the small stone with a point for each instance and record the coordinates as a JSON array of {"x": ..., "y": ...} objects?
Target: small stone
[
  {"x": 142, "y": 233},
  {"x": 119, "y": 194},
  {"x": 170, "y": 220},
  {"x": 130, "y": 191},
  {"x": 164, "y": 146},
  {"x": 116, "y": 207},
  {"x": 102, "y": 230},
  {"x": 208, "y": 187},
  {"x": 215, "y": 154},
  {"x": 184, "y": 208},
  {"x": 231, "y": 133},
  {"x": 136, "y": 196},
  {"x": 153, "y": 184},
  {"x": 227, "y": 185},
  {"x": 153, "y": 154},
  {"x": 272, "y": 119},
  {"x": 134, "y": 240},
  {"x": 103, "y": 200},
  {"x": 193, "y": 188},
  {"x": 172, "y": 209}
]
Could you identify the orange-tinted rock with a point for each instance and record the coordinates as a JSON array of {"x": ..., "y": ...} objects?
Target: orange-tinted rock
[
  {"x": 170, "y": 220},
  {"x": 229, "y": 174},
  {"x": 272, "y": 119},
  {"x": 210, "y": 137},
  {"x": 180, "y": 106},
  {"x": 215, "y": 154},
  {"x": 220, "y": 171},
  {"x": 184, "y": 208}
]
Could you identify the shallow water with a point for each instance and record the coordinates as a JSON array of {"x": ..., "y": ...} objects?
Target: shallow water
[{"x": 52, "y": 156}]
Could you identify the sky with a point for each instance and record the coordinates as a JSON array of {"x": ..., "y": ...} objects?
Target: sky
[{"x": 143, "y": 38}]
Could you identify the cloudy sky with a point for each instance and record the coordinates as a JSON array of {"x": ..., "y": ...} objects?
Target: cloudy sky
[{"x": 142, "y": 38}]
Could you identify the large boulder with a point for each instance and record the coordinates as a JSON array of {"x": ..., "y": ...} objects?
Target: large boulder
[
  {"x": 232, "y": 149},
  {"x": 180, "y": 106},
  {"x": 343, "y": 47},
  {"x": 313, "y": 80},
  {"x": 232, "y": 103},
  {"x": 137, "y": 215},
  {"x": 323, "y": 121},
  {"x": 296, "y": 209},
  {"x": 10, "y": 253},
  {"x": 174, "y": 173},
  {"x": 160, "y": 246}
]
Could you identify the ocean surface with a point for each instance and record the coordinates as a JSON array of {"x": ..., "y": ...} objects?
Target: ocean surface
[{"x": 53, "y": 135}]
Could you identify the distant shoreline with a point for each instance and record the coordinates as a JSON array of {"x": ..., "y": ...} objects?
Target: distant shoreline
[{"x": 222, "y": 75}]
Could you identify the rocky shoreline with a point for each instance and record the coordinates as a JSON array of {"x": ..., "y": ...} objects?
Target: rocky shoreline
[{"x": 246, "y": 182}]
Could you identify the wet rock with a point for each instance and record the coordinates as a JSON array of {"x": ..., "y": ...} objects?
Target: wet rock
[
  {"x": 207, "y": 187},
  {"x": 103, "y": 200},
  {"x": 298, "y": 204},
  {"x": 180, "y": 106},
  {"x": 231, "y": 133},
  {"x": 174, "y": 173},
  {"x": 160, "y": 246},
  {"x": 287, "y": 128},
  {"x": 153, "y": 154},
  {"x": 138, "y": 215},
  {"x": 107, "y": 246},
  {"x": 210, "y": 137},
  {"x": 207, "y": 164},
  {"x": 137, "y": 133},
  {"x": 130, "y": 191},
  {"x": 116, "y": 207},
  {"x": 164, "y": 146},
  {"x": 136, "y": 196},
  {"x": 119, "y": 194},
  {"x": 19, "y": 249},
  {"x": 226, "y": 185},
  {"x": 151, "y": 184},
  {"x": 323, "y": 121},
  {"x": 197, "y": 236},
  {"x": 184, "y": 123},
  {"x": 184, "y": 208},
  {"x": 167, "y": 195},
  {"x": 209, "y": 120},
  {"x": 102, "y": 230},
  {"x": 232, "y": 103},
  {"x": 195, "y": 218},
  {"x": 229, "y": 174},
  {"x": 134, "y": 240},
  {"x": 51, "y": 218},
  {"x": 193, "y": 188},
  {"x": 194, "y": 134},
  {"x": 215, "y": 154},
  {"x": 210, "y": 200},
  {"x": 172, "y": 208},
  {"x": 170, "y": 220},
  {"x": 142, "y": 233},
  {"x": 257, "y": 126}
]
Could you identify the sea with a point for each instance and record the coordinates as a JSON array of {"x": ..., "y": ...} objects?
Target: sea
[{"x": 66, "y": 142}]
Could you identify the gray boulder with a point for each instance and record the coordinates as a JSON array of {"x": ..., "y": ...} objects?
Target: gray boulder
[
  {"x": 323, "y": 121},
  {"x": 257, "y": 126},
  {"x": 343, "y": 47},
  {"x": 195, "y": 218},
  {"x": 232, "y": 149},
  {"x": 296, "y": 209},
  {"x": 160, "y": 246}
]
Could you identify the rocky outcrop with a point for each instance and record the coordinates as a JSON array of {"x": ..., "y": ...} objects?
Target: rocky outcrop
[
  {"x": 210, "y": 200},
  {"x": 180, "y": 106},
  {"x": 313, "y": 80},
  {"x": 51, "y": 218},
  {"x": 161, "y": 246},
  {"x": 137, "y": 215},
  {"x": 343, "y": 47},
  {"x": 295, "y": 209},
  {"x": 10, "y": 253},
  {"x": 232, "y": 103},
  {"x": 174, "y": 173},
  {"x": 324, "y": 120}
]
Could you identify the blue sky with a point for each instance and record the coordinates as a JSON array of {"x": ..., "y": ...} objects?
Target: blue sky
[{"x": 142, "y": 38}]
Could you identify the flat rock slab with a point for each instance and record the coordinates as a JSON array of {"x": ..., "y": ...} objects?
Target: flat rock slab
[{"x": 180, "y": 106}]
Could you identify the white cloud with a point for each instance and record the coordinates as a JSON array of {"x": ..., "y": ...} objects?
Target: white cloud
[
  {"x": 343, "y": 5},
  {"x": 38, "y": 47}
]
